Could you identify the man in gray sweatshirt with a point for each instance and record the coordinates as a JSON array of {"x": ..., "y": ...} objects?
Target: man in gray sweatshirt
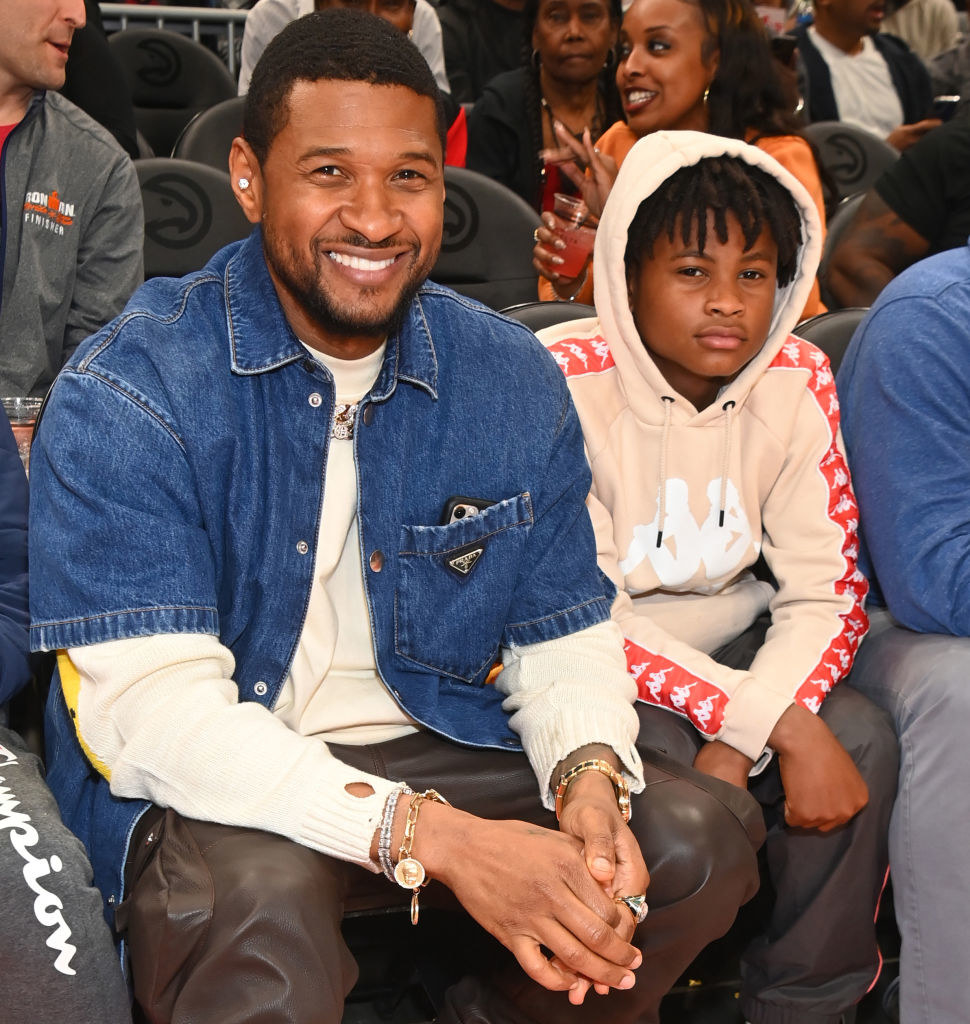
[{"x": 72, "y": 226}]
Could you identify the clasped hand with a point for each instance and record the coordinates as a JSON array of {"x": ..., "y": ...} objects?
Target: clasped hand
[{"x": 535, "y": 888}]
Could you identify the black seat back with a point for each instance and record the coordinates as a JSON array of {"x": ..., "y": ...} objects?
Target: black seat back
[
  {"x": 486, "y": 248},
  {"x": 207, "y": 138},
  {"x": 171, "y": 78},
  {"x": 190, "y": 213},
  {"x": 852, "y": 157},
  {"x": 538, "y": 315},
  {"x": 832, "y": 331}
]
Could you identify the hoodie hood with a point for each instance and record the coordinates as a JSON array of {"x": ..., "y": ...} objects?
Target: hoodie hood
[{"x": 648, "y": 165}]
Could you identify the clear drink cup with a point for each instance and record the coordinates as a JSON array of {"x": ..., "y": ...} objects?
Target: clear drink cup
[
  {"x": 572, "y": 215},
  {"x": 22, "y": 413}
]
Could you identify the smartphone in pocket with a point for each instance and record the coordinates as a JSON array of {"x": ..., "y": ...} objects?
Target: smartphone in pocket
[{"x": 459, "y": 507}]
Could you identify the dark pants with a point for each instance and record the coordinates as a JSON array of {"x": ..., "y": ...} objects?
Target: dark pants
[
  {"x": 818, "y": 956},
  {"x": 235, "y": 925}
]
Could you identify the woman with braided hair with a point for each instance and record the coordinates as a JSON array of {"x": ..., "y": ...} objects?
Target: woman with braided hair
[
  {"x": 567, "y": 77},
  {"x": 701, "y": 65}
]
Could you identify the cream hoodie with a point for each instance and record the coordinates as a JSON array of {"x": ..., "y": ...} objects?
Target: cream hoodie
[{"x": 683, "y": 502}]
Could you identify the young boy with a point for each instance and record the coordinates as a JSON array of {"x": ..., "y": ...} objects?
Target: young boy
[{"x": 713, "y": 437}]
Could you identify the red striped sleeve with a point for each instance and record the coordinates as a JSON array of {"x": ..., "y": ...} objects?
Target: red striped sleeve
[
  {"x": 669, "y": 685},
  {"x": 836, "y": 660}
]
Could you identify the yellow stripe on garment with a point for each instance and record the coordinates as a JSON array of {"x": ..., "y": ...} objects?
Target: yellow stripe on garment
[{"x": 71, "y": 688}]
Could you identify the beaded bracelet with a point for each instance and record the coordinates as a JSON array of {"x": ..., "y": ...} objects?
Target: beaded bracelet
[{"x": 387, "y": 828}]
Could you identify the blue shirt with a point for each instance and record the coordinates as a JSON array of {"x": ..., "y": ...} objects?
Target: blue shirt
[
  {"x": 904, "y": 387},
  {"x": 178, "y": 481}
]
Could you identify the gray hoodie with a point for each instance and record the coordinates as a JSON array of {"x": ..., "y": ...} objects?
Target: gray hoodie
[{"x": 72, "y": 236}]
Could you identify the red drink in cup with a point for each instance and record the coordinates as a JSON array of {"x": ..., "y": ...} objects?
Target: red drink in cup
[
  {"x": 572, "y": 215},
  {"x": 22, "y": 413}
]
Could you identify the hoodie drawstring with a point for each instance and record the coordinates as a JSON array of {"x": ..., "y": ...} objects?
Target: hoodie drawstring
[
  {"x": 728, "y": 408},
  {"x": 668, "y": 406}
]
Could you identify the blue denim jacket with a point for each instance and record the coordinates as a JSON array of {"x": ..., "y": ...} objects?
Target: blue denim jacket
[{"x": 177, "y": 483}]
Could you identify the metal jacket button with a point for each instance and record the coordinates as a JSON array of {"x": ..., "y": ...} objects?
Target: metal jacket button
[{"x": 377, "y": 560}]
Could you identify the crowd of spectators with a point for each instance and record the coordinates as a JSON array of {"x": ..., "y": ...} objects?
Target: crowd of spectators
[{"x": 643, "y": 582}]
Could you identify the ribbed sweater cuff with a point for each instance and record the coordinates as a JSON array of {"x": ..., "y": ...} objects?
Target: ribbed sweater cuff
[
  {"x": 568, "y": 693},
  {"x": 547, "y": 739},
  {"x": 341, "y": 825}
]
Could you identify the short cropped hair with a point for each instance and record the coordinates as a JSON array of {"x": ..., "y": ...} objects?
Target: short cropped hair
[
  {"x": 332, "y": 45},
  {"x": 721, "y": 185}
]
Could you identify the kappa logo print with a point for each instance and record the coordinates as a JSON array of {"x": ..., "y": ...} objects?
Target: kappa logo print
[
  {"x": 670, "y": 685},
  {"x": 48, "y": 211},
  {"x": 47, "y": 906},
  {"x": 579, "y": 356},
  {"x": 688, "y": 544}
]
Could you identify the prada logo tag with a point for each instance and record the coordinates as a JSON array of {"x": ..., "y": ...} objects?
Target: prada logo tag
[{"x": 466, "y": 560}]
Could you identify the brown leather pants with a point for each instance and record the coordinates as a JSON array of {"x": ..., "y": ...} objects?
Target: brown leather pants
[{"x": 235, "y": 925}]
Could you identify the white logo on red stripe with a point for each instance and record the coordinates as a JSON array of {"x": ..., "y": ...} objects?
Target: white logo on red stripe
[
  {"x": 667, "y": 684},
  {"x": 579, "y": 356},
  {"x": 842, "y": 509}
]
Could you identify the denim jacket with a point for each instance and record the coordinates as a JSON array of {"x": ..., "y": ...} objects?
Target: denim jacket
[{"x": 177, "y": 483}]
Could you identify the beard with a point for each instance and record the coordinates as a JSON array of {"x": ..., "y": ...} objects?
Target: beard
[{"x": 375, "y": 313}]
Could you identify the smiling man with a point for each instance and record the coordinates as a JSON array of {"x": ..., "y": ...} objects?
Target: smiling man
[
  {"x": 72, "y": 220},
  {"x": 288, "y": 513}
]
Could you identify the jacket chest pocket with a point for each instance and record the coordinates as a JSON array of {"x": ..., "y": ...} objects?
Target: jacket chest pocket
[{"x": 455, "y": 588}]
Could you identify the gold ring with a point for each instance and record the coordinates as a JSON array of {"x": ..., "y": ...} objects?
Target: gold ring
[
  {"x": 637, "y": 905},
  {"x": 535, "y": 235}
]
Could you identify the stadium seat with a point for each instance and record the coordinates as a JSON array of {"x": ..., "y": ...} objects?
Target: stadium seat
[
  {"x": 486, "y": 248},
  {"x": 851, "y": 157},
  {"x": 171, "y": 78},
  {"x": 190, "y": 213},
  {"x": 841, "y": 218},
  {"x": 832, "y": 331},
  {"x": 207, "y": 138},
  {"x": 537, "y": 315}
]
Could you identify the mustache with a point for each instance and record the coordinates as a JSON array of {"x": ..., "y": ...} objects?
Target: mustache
[{"x": 361, "y": 242}]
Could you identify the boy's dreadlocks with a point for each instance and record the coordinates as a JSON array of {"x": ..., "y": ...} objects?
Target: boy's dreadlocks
[{"x": 722, "y": 185}]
